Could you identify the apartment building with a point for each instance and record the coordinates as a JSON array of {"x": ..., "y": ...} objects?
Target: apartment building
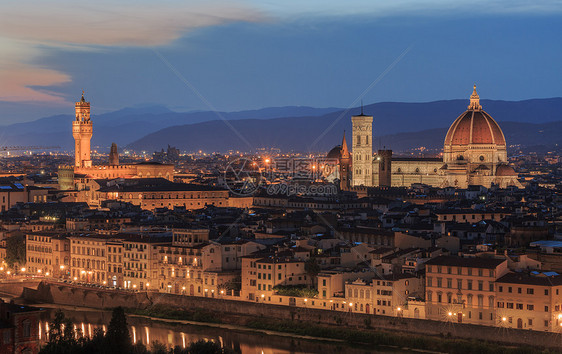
[
  {"x": 47, "y": 253},
  {"x": 88, "y": 254},
  {"x": 383, "y": 295},
  {"x": 529, "y": 300},
  {"x": 115, "y": 254},
  {"x": 140, "y": 261},
  {"x": 260, "y": 275},
  {"x": 463, "y": 289}
]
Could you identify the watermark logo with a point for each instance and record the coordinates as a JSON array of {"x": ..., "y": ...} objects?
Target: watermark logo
[
  {"x": 282, "y": 176},
  {"x": 243, "y": 177}
]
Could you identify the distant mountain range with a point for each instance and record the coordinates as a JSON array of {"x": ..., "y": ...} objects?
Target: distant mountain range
[
  {"x": 129, "y": 124},
  {"x": 400, "y": 126}
]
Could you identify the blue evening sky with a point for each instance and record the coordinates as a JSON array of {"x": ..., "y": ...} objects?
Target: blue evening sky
[{"x": 260, "y": 54}]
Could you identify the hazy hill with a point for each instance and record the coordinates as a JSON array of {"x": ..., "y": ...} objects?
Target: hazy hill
[
  {"x": 394, "y": 125},
  {"x": 153, "y": 127},
  {"x": 129, "y": 124}
]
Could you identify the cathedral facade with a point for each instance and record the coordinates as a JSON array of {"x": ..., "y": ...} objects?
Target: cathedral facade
[
  {"x": 82, "y": 131},
  {"x": 474, "y": 153}
]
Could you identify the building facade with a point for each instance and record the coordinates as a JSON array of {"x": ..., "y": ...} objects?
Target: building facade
[{"x": 474, "y": 153}]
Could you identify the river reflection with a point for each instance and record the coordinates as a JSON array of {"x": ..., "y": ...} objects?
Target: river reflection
[{"x": 148, "y": 331}]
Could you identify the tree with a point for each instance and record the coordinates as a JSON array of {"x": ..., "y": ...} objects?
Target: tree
[
  {"x": 62, "y": 339},
  {"x": 15, "y": 250},
  {"x": 118, "y": 332},
  {"x": 312, "y": 268}
]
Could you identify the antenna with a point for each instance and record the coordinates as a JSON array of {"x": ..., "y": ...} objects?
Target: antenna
[{"x": 361, "y": 107}]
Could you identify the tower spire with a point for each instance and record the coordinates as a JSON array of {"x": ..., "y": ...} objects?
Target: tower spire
[
  {"x": 361, "y": 107},
  {"x": 344, "y": 148},
  {"x": 474, "y": 101}
]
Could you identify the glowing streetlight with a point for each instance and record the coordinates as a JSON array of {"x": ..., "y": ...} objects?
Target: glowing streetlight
[
  {"x": 350, "y": 304},
  {"x": 22, "y": 269},
  {"x": 504, "y": 319},
  {"x": 399, "y": 309},
  {"x": 450, "y": 314}
]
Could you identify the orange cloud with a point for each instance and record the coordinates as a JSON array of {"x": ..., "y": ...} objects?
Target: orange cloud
[{"x": 27, "y": 27}]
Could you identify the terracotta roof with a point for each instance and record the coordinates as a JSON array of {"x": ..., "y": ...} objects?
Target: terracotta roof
[
  {"x": 475, "y": 262},
  {"x": 531, "y": 279}
]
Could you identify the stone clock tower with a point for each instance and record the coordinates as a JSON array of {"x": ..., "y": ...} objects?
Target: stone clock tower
[
  {"x": 362, "y": 147},
  {"x": 82, "y": 133}
]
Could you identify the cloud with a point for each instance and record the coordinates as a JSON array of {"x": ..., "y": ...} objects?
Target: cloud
[
  {"x": 378, "y": 9},
  {"x": 27, "y": 28}
]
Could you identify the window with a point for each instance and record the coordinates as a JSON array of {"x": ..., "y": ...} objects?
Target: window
[
  {"x": 449, "y": 283},
  {"x": 546, "y": 291},
  {"x": 519, "y": 306},
  {"x": 531, "y": 307},
  {"x": 519, "y": 290},
  {"x": 500, "y": 289},
  {"x": 27, "y": 328},
  {"x": 509, "y": 289},
  {"x": 530, "y": 291},
  {"x": 546, "y": 309}
]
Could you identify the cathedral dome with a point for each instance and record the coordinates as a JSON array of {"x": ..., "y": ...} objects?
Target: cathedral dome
[
  {"x": 505, "y": 170},
  {"x": 474, "y": 126},
  {"x": 335, "y": 153}
]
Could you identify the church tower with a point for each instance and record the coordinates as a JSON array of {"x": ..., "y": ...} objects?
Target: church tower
[
  {"x": 345, "y": 166},
  {"x": 82, "y": 133},
  {"x": 362, "y": 145},
  {"x": 113, "y": 155}
]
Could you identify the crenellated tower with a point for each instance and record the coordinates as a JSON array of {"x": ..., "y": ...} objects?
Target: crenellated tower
[{"x": 82, "y": 133}]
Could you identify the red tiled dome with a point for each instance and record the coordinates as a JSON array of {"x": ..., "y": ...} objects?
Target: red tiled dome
[
  {"x": 474, "y": 126},
  {"x": 505, "y": 170}
]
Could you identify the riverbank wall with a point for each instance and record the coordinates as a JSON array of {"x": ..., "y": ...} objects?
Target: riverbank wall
[{"x": 242, "y": 312}]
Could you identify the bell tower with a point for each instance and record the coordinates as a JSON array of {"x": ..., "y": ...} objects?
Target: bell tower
[
  {"x": 362, "y": 153},
  {"x": 82, "y": 133}
]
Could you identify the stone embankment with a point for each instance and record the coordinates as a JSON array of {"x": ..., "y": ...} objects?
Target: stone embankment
[{"x": 65, "y": 294}]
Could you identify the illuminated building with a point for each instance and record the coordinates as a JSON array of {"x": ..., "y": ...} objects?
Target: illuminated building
[
  {"x": 474, "y": 153},
  {"x": 82, "y": 131}
]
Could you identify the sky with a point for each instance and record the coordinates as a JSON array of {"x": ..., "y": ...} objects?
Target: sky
[{"x": 237, "y": 55}]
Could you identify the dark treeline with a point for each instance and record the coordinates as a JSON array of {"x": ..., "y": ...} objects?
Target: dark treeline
[{"x": 64, "y": 339}]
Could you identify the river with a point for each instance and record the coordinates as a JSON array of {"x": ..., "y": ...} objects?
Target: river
[{"x": 147, "y": 331}]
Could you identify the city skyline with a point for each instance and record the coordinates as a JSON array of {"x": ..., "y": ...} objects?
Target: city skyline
[{"x": 248, "y": 55}]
